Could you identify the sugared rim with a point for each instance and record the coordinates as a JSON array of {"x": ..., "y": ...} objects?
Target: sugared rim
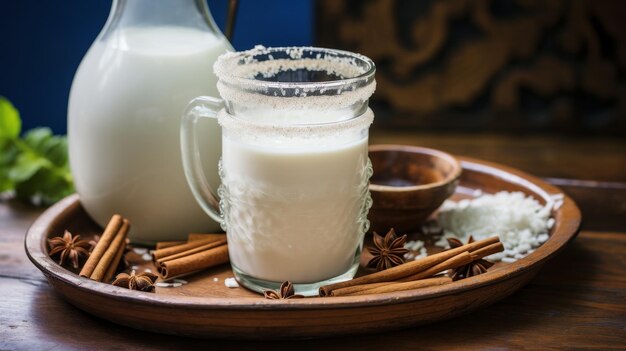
[
  {"x": 454, "y": 175},
  {"x": 227, "y": 63}
]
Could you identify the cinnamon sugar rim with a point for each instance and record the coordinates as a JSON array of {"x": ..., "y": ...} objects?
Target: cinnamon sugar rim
[{"x": 241, "y": 68}]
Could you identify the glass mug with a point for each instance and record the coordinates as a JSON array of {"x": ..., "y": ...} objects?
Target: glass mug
[{"x": 294, "y": 167}]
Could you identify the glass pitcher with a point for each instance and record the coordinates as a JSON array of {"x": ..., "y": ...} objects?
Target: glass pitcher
[{"x": 127, "y": 97}]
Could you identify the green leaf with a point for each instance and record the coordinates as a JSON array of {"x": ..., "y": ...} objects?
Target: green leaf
[
  {"x": 26, "y": 165},
  {"x": 5, "y": 183},
  {"x": 36, "y": 137},
  {"x": 10, "y": 122},
  {"x": 43, "y": 143},
  {"x": 8, "y": 154},
  {"x": 36, "y": 166},
  {"x": 55, "y": 150},
  {"x": 46, "y": 185}
]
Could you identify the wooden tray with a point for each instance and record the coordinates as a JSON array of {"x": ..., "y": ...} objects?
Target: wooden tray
[{"x": 206, "y": 308}]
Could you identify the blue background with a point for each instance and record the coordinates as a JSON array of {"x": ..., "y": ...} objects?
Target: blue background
[{"x": 42, "y": 43}]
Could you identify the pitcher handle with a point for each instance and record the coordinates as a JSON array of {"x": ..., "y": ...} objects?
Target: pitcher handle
[{"x": 200, "y": 107}]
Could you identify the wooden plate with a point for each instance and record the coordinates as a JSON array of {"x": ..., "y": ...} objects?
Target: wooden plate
[{"x": 206, "y": 308}]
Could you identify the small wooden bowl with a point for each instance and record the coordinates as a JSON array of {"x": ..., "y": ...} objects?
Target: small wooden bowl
[{"x": 408, "y": 185}]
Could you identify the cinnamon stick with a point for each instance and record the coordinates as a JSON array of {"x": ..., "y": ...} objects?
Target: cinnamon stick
[
  {"x": 488, "y": 250},
  {"x": 369, "y": 289},
  {"x": 115, "y": 263},
  {"x": 158, "y": 254},
  {"x": 457, "y": 261},
  {"x": 204, "y": 247},
  {"x": 165, "y": 244},
  {"x": 193, "y": 263},
  {"x": 197, "y": 236},
  {"x": 451, "y": 263},
  {"x": 114, "y": 225},
  {"x": 111, "y": 252},
  {"x": 354, "y": 290},
  {"x": 410, "y": 268},
  {"x": 191, "y": 237}
]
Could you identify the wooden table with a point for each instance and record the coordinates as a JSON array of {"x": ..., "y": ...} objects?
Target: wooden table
[{"x": 577, "y": 301}]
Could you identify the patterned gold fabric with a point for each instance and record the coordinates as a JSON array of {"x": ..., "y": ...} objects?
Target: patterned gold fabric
[{"x": 480, "y": 64}]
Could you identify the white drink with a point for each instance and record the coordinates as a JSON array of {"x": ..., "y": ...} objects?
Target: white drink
[
  {"x": 294, "y": 196},
  {"x": 124, "y": 118},
  {"x": 294, "y": 208}
]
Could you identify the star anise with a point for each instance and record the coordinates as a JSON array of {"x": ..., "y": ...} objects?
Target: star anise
[
  {"x": 471, "y": 269},
  {"x": 142, "y": 282},
  {"x": 388, "y": 251},
  {"x": 285, "y": 292},
  {"x": 70, "y": 247}
]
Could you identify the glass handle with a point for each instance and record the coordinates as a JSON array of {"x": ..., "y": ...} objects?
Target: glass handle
[{"x": 200, "y": 107}]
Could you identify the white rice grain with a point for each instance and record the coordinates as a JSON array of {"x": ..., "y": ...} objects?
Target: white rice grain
[
  {"x": 231, "y": 283},
  {"x": 521, "y": 221}
]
